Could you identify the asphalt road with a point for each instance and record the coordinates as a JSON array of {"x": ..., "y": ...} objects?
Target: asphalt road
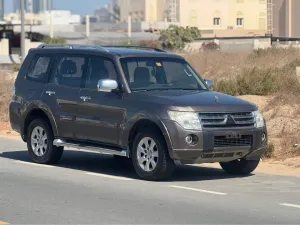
[{"x": 89, "y": 188}]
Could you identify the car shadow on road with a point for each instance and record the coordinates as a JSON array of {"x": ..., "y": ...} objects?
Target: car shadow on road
[{"x": 108, "y": 165}]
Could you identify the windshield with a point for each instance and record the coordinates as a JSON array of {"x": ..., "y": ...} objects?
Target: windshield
[{"x": 146, "y": 74}]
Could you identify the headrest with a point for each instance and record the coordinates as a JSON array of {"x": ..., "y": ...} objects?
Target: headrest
[
  {"x": 142, "y": 74},
  {"x": 68, "y": 67}
]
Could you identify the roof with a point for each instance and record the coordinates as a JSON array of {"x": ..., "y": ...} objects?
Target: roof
[
  {"x": 122, "y": 51},
  {"x": 126, "y": 52}
]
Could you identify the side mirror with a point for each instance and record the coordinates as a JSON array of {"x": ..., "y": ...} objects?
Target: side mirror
[
  {"x": 209, "y": 83},
  {"x": 107, "y": 85}
]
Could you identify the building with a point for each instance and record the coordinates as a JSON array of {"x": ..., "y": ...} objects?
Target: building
[
  {"x": 114, "y": 10},
  {"x": 34, "y": 6},
  {"x": 103, "y": 15},
  {"x": 286, "y": 17},
  {"x": 231, "y": 16},
  {"x": 1, "y": 10}
]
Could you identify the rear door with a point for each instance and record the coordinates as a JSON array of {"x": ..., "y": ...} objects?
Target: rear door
[{"x": 63, "y": 89}]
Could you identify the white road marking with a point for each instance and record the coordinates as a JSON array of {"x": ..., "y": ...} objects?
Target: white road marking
[
  {"x": 198, "y": 190},
  {"x": 290, "y": 205},
  {"x": 34, "y": 164},
  {"x": 108, "y": 176}
]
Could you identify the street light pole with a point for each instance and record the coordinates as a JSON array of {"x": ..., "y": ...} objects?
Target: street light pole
[{"x": 22, "y": 30}]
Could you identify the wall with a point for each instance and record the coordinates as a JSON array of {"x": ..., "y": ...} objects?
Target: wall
[
  {"x": 281, "y": 18},
  {"x": 253, "y": 11},
  {"x": 200, "y": 13},
  {"x": 4, "y": 47},
  {"x": 295, "y": 18},
  {"x": 234, "y": 44}
]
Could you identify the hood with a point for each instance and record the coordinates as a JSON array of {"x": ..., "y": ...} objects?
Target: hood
[{"x": 200, "y": 101}]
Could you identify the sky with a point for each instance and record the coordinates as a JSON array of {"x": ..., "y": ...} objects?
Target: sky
[{"x": 81, "y": 7}]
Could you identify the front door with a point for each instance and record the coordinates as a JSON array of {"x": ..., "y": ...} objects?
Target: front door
[
  {"x": 99, "y": 113},
  {"x": 63, "y": 91}
]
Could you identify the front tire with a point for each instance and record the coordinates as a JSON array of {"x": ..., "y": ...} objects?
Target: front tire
[
  {"x": 40, "y": 143},
  {"x": 150, "y": 156},
  {"x": 240, "y": 167}
]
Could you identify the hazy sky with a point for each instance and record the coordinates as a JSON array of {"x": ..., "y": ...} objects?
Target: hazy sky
[{"x": 81, "y": 7}]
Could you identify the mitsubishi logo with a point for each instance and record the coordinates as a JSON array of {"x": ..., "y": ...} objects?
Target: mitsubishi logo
[{"x": 230, "y": 120}]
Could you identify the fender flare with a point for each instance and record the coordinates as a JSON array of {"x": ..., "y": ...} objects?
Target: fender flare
[{"x": 37, "y": 105}]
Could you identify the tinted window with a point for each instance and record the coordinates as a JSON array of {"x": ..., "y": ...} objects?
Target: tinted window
[
  {"x": 99, "y": 68},
  {"x": 38, "y": 68},
  {"x": 68, "y": 70},
  {"x": 160, "y": 74}
]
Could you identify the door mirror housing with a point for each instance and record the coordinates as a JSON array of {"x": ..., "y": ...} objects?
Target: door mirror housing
[
  {"x": 209, "y": 83},
  {"x": 107, "y": 85}
]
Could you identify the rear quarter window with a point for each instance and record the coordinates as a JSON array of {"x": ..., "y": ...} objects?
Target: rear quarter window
[{"x": 38, "y": 69}]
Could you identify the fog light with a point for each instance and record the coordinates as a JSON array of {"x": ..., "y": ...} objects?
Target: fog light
[
  {"x": 189, "y": 139},
  {"x": 263, "y": 137}
]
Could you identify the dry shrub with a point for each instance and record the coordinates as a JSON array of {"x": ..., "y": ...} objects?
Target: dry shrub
[
  {"x": 256, "y": 81},
  {"x": 6, "y": 84},
  {"x": 270, "y": 150},
  {"x": 289, "y": 146}
]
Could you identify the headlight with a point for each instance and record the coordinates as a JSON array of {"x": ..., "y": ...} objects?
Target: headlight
[
  {"x": 259, "y": 120},
  {"x": 188, "y": 120}
]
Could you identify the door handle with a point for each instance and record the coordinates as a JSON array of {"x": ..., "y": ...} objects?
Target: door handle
[
  {"x": 85, "y": 98},
  {"x": 50, "y": 93}
]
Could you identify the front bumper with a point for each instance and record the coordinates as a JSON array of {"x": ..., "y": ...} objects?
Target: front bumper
[{"x": 206, "y": 150}]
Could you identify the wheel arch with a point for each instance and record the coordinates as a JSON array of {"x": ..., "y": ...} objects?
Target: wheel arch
[
  {"x": 34, "y": 113},
  {"x": 146, "y": 123}
]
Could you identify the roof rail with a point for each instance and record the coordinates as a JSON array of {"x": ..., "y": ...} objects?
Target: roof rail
[
  {"x": 141, "y": 47},
  {"x": 72, "y": 46}
]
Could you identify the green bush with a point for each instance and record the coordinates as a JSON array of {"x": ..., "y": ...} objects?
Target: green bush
[
  {"x": 270, "y": 150},
  {"x": 176, "y": 37},
  {"x": 55, "y": 40},
  {"x": 210, "y": 46},
  {"x": 127, "y": 43},
  {"x": 152, "y": 44}
]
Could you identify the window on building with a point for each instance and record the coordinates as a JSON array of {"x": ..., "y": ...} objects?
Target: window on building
[
  {"x": 240, "y": 21},
  {"x": 38, "y": 68},
  {"x": 217, "y": 21}
]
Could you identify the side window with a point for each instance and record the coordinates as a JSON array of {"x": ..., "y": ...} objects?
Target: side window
[
  {"x": 38, "y": 68},
  {"x": 99, "y": 68},
  {"x": 68, "y": 70}
]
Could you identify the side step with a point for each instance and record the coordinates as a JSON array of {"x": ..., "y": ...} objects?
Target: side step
[{"x": 61, "y": 143}]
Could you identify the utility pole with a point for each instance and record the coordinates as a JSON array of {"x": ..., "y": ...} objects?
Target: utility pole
[
  {"x": 87, "y": 26},
  {"x": 129, "y": 29},
  {"x": 22, "y": 30},
  {"x": 51, "y": 25}
]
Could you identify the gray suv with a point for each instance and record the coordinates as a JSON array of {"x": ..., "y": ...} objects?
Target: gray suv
[{"x": 143, "y": 104}]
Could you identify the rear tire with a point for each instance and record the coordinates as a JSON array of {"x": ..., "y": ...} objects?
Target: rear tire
[
  {"x": 240, "y": 167},
  {"x": 40, "y": 143},
  {"x": 155, "y": 163}
]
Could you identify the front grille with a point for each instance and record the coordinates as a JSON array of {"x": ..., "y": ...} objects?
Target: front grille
[
  {"x": 211, "y": 120},
  {"x": 223, "y": 141}
]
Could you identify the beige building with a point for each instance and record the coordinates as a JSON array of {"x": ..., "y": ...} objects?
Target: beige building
[
  {"x": 286, "y": 17},
  {"x": 204, "y": 14}
]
